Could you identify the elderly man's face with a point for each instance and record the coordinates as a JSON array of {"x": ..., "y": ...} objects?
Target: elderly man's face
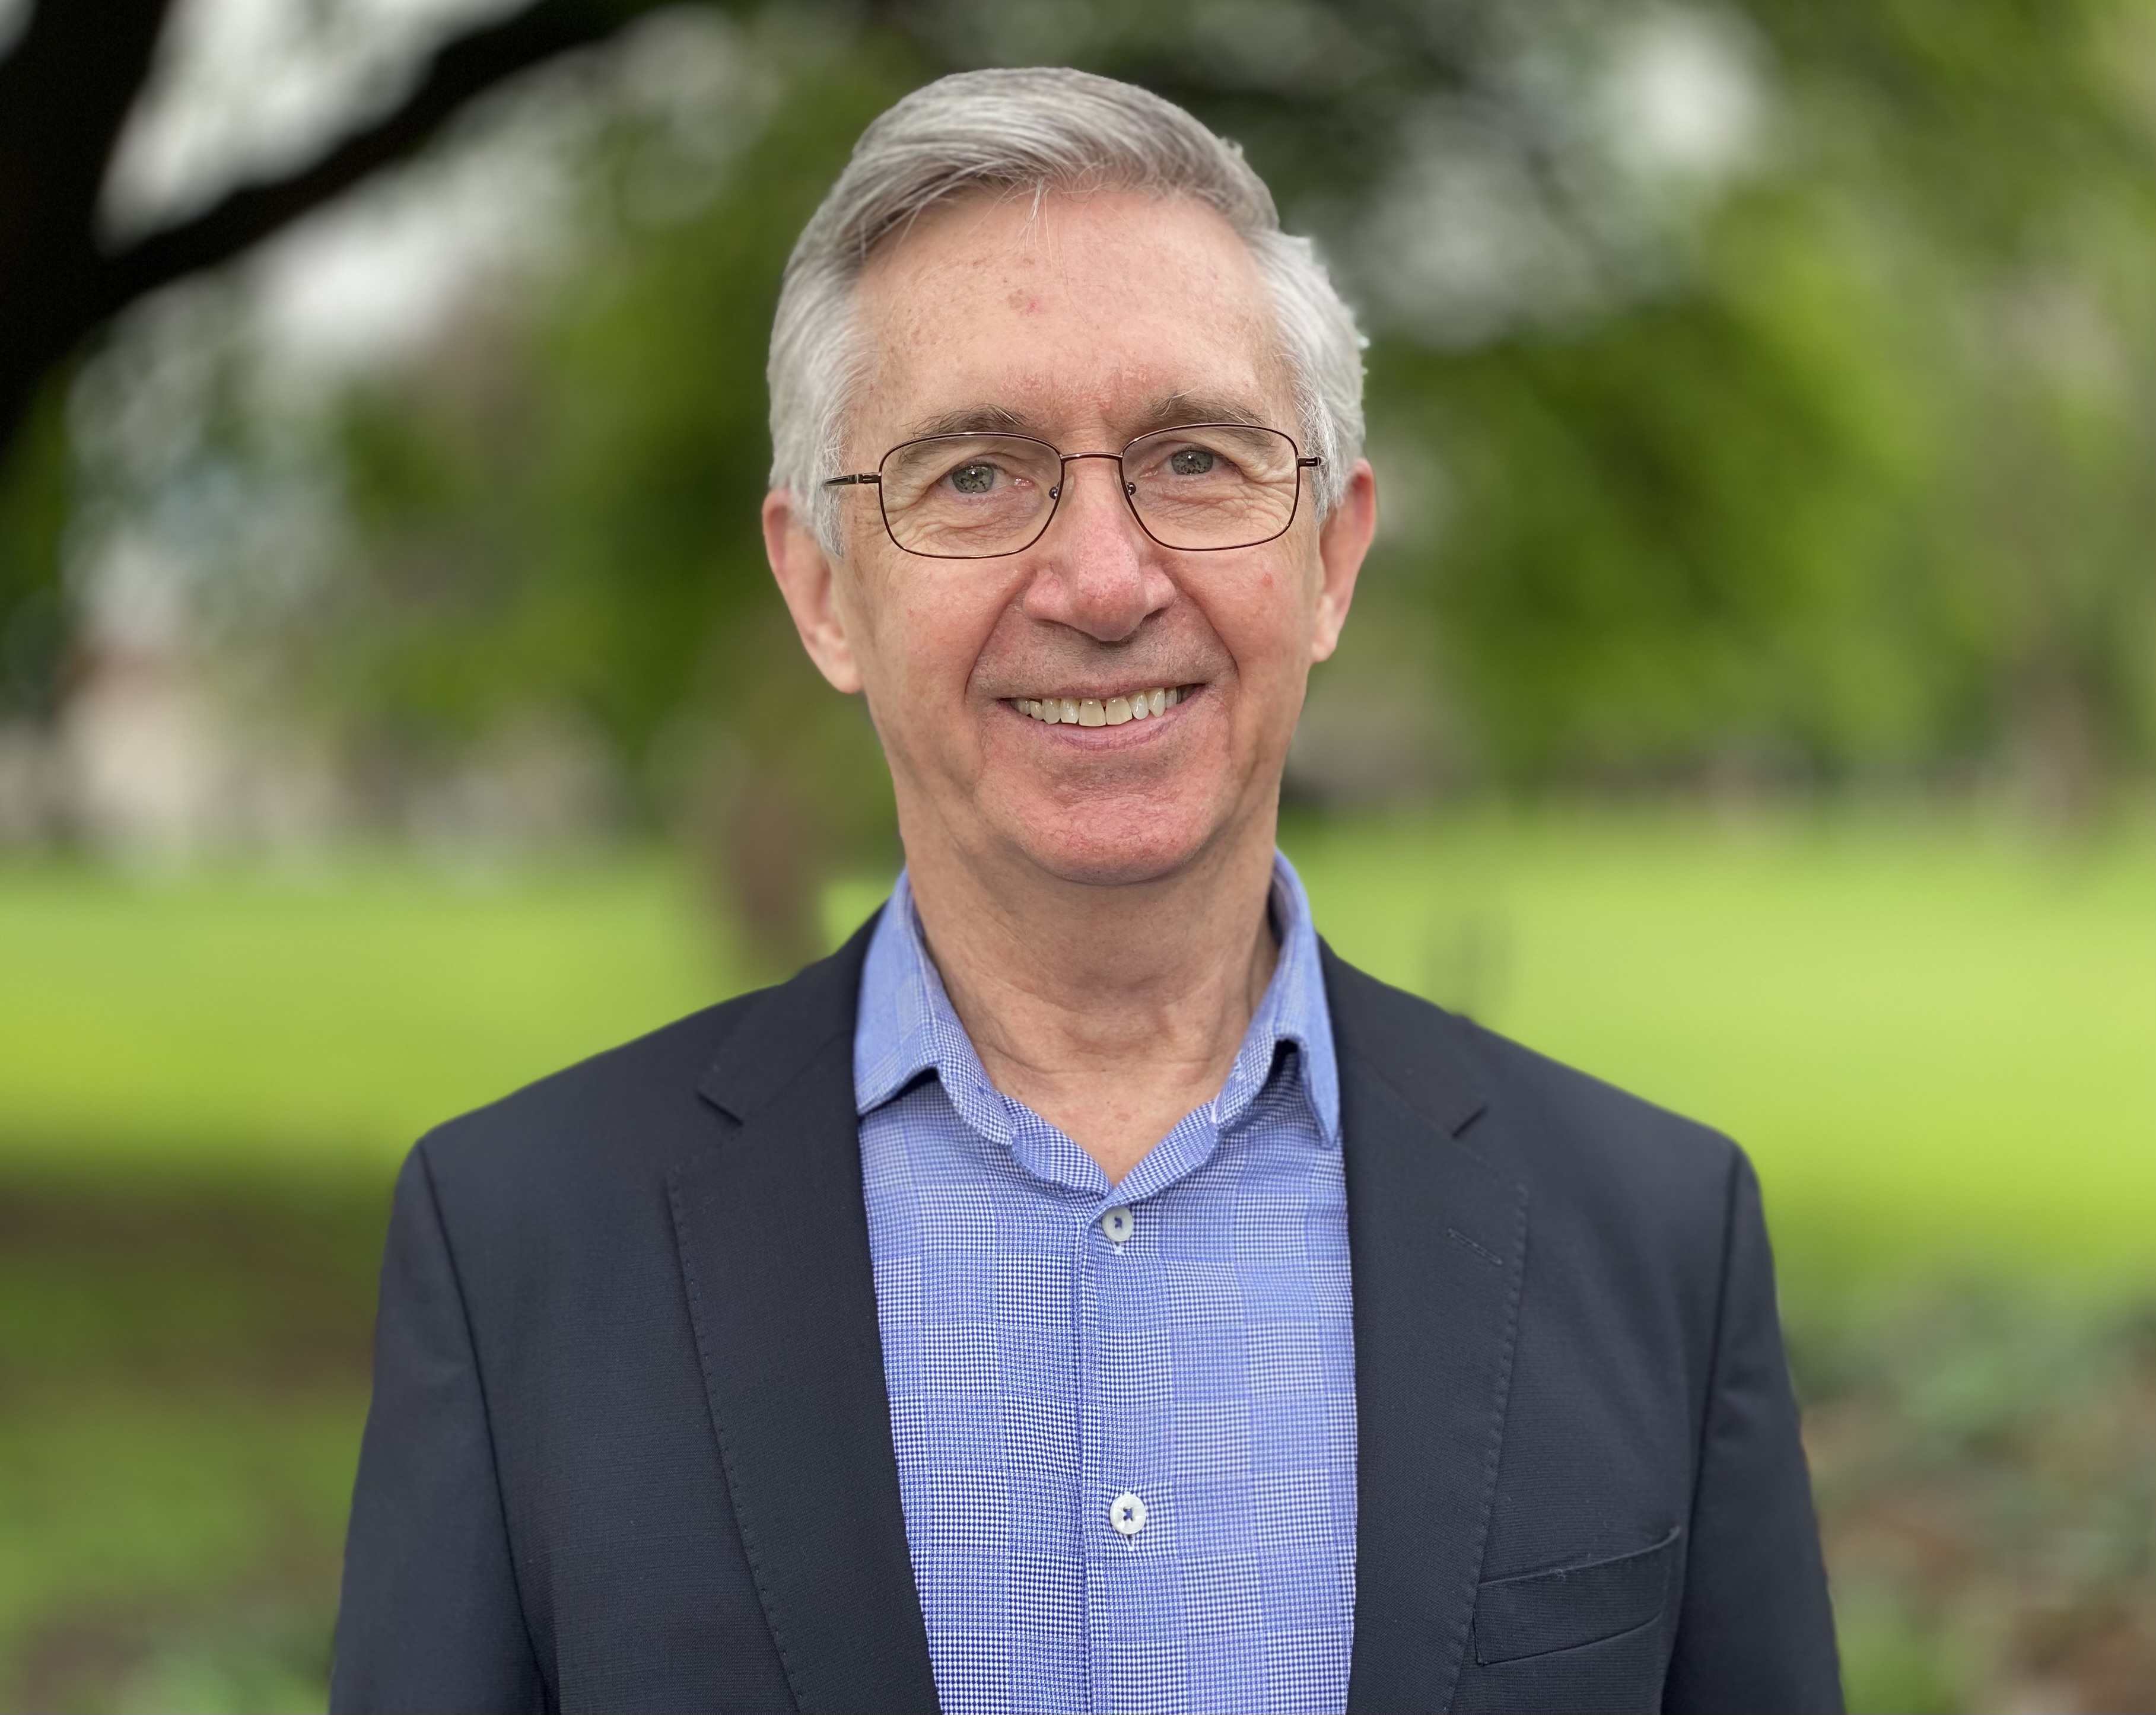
[{"x": 1082, "y": 322}]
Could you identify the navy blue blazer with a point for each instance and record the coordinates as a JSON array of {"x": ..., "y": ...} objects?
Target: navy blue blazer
[{"x": 629, "y": 1447}]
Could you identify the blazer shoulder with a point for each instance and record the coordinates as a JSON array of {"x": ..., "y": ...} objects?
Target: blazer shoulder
[
  {"x": 643, "y": 1106},
  {"x": 1560, "y": 1131},
  {"x": 1586, "y": 1122},
  {"x": 630, "y": 1097}
]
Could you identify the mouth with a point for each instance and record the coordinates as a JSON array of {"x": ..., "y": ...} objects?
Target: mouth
[{"x": 1103, "y": 712}]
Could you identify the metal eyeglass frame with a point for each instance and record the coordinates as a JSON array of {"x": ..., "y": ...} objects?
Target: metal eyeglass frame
[{"x": 1303, "y": 461}]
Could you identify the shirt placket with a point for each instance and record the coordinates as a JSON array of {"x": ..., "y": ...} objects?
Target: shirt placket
[{"x": 1135, "y": 1635}]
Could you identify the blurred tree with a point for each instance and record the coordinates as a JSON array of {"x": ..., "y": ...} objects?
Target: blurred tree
[
  {"x": 1664, "y": 525},
  {"x": 1766, "y": 388},
  {"x": 1997, "y": 162},
  {"x": 558, "y": 509},
  {"x": 71, "y": 79},
  {"x": 1847, "y": 469},
  {"x": 36, "y": 496}
]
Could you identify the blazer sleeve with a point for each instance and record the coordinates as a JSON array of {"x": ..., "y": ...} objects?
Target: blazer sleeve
[
  {"x": 1755, "y": 1630},
  {"x": 429, "y": 1617}
]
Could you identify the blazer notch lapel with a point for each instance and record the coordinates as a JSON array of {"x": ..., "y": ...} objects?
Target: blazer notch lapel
[
  {"x": 1405, "y": 1043},
  {"x": 773, "y": 1238},
  {"x": 785, "y": 1029}
]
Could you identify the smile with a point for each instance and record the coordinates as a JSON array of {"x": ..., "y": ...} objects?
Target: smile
[{"x": 1099, "y": 712}]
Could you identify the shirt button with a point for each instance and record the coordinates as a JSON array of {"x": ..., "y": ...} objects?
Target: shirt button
[
  {"x": 1118, "y": 1225},
  {"x": 1126, "y": 1512}
]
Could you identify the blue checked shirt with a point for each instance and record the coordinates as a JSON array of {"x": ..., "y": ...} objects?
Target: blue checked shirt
[{"x": 1125, "y": 1416}]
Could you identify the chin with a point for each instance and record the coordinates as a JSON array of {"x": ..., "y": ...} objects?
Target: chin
[{"x": 1119, "y": 847}]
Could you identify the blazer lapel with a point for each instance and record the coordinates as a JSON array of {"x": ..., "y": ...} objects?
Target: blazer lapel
[
  {"x": 1438, "y": 1239},
  {"x": 773, "y": 1237}
]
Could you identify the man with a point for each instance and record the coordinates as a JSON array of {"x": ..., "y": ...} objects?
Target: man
[{"x": 1082, "y": 1291}]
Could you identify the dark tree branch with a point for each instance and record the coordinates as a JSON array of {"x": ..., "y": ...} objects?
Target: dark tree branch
[
  {"x": 465, "y": 68},
  {"x": 66, "y": 92},
  {"x": 66, "y": 89}
]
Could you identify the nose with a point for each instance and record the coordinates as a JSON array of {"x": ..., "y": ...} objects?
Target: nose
[{"x": 1099, "y": 573}]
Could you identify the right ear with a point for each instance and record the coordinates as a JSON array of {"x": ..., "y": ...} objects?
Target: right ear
[{"x": 810, "y": 584}]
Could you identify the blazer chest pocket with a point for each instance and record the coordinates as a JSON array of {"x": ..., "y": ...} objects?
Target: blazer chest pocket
[{"x": 1570, "y": 1606}]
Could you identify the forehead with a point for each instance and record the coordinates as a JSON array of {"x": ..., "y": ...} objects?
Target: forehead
[{"x": 1067, "y": 314}]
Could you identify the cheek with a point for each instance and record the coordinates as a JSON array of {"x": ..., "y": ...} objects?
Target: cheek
[
  {"x": 929, "y": 638},
  {"x": 1266, "y": 623}
]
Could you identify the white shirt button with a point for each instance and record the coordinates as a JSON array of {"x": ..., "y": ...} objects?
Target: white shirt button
[
  {"x": 1126, "y": 1512},
  {"x": 1118, "y": 1225}
]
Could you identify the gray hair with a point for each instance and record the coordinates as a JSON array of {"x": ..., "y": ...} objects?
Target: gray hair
[{"x": 1036, "y": 129}]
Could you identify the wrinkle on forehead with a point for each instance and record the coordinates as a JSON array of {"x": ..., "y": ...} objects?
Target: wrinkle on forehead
[
  {"x": 1166, "y": 410},
  {"x": 1120, "y": 309}
]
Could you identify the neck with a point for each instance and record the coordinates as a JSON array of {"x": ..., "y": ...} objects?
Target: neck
[{"x": 1112, "y": 1011}]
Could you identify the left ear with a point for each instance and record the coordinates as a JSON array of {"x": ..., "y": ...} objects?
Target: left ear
[
  {"x": 809, "y": 583},
  {"x": 1342, "y": 541}
]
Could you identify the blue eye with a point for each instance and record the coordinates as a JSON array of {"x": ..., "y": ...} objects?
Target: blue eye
[
  {"x": 1191, "y": 461},
  {"x": 977, "y": 478}
]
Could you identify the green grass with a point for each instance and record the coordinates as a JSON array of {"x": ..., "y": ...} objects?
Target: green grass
[
  {"x": 239, "y": 1016},
  {"x": 1937, "y": 1040},
  {"x": 185, "y": 1353}
]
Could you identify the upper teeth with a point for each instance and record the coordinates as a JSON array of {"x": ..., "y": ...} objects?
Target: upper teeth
[{"x": 1092, "y": 712}]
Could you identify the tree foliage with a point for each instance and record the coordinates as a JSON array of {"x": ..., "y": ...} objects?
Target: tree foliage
[
  {"x": 1823, "y": 457},
  {"x": 560, "y": 509}
]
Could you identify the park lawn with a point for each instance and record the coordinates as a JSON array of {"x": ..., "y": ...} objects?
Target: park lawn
[
  {"x": 1937, "y": 1039},
  {"x": 325, "y": 1014}
]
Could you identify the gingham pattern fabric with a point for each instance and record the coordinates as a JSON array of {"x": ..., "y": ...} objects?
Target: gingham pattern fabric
[{"x": 1041, "y": 1374}]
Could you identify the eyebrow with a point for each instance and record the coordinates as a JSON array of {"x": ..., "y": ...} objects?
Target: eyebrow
[
  {"x": 1172, "y": 410},
  {"x": 1165, "y": 411},
  {"x": 975, "y": 420}
]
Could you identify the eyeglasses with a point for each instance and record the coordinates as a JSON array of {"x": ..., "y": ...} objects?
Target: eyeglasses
[{"x": 1196, "y": 489}]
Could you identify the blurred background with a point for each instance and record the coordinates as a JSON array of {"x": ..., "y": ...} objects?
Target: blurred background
[{"x": 1751, "y": 699}]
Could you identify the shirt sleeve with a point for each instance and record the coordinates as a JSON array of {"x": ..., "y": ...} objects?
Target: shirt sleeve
[
  {"x": 430, "y": 1617},
  {"x": 1755, "y": 1630}
]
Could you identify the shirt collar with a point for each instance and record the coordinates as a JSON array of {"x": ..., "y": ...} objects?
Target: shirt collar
[{"x": 906, "y": 1026}]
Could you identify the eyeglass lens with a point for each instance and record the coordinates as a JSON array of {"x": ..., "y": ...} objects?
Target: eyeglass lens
[{"x": 974, "y": 497}]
